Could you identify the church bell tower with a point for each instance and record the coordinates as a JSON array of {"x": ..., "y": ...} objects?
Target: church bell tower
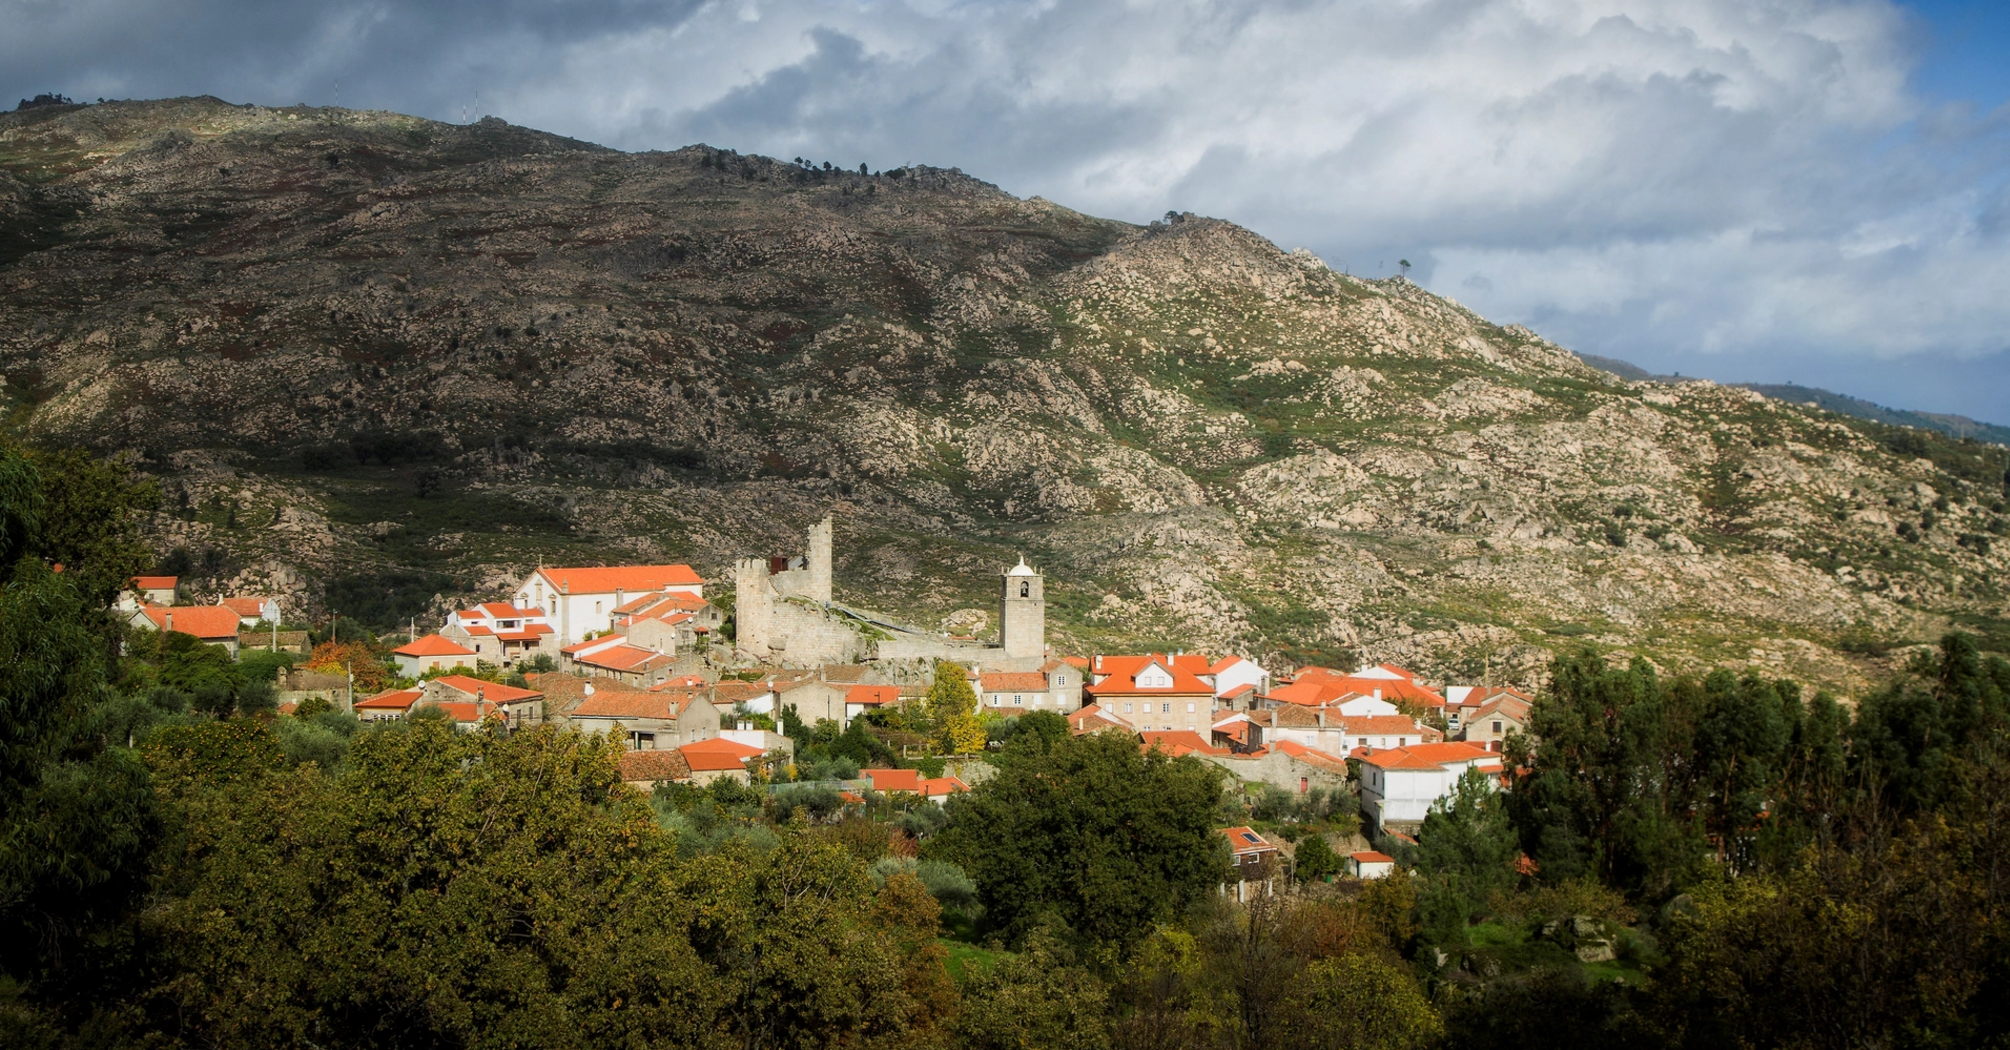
[{"x": 1022, "y": 614}]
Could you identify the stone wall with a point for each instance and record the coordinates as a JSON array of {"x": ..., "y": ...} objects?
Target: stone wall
[{"x": 1279, "y": 770}]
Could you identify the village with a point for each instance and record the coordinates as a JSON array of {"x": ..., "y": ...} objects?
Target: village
[{"x": 640, "y": 653}]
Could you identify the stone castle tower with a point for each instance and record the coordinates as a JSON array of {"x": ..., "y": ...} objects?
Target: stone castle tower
[
  {"x": 1022, "y": 613},
  {"x": 758, "y": 583}
]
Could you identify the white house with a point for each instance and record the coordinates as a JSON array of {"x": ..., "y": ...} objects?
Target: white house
[
  {"x": 253, "y": 611},
  {"x": 1368, "y": 864},
  {"x": 501, "y": 633},
  {"x": 582, "y": 601},
  {"x": 431, "y": 653},
  {"x": 1232, "y": 674},
  {"x": 1398, "y": 786}
]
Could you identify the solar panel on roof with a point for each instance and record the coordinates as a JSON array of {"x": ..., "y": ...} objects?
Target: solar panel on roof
[{"x": 1251, "y": 836}]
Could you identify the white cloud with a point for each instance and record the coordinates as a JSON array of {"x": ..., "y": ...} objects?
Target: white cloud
[{"x": 1684, "y": 181}]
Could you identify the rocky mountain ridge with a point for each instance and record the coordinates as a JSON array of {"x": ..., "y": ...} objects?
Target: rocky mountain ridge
[{"x": 382, "y": 364}]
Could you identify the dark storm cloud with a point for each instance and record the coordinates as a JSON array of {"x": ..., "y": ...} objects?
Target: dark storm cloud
[{"x": 1725, "y": 187}]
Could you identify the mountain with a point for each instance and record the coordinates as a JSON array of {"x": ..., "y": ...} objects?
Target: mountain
[
  {"x": 383, "y": 364},
  {"x": 1827, "y": 400}
]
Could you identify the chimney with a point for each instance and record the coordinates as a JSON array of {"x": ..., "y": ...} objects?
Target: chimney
[
  {"x": 1321, "y": 714},
  {"x": 170, "y": 621},
  {"x": 1378, "y": 692}
]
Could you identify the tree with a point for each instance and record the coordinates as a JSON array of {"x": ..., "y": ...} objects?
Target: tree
[
  {"x": 1466, "y": 851},
  {"x": 93, "y": 510},
  {"x": 1315, "y": 860},
  {"x": 952, "y": 707},
  {"x": 1040, "y": 997},
  {"x": 78, "y": 814},
  {"x": 1093, "y": 830},
  {"x": 1359, "y": 1002},
  {"x": 469, "y": 889}
]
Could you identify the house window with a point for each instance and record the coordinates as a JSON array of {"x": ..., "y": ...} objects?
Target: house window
[
  {"x": 1018, "y": 700},
  {"x": 1304, "y": 785},
  {"x": 1061, "y": 679},
  {"x": 1025, "y": 588},
  {"x": 1402, "y": 741},
  {"x": 596, "y": 608},
  {"x": 1189, "y": 707},
  {"x": 1364, "y": 741},
  {"x": 1497, "y": 727},
  {"x": 1165, "y": 709},
  {"x": 1127, "y": 709}
]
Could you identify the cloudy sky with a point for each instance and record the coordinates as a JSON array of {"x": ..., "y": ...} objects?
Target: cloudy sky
[{"x": 1761, "y": 190}]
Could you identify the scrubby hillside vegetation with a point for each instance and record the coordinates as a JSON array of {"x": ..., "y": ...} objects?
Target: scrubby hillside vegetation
[{"x": 381, "y": 364}]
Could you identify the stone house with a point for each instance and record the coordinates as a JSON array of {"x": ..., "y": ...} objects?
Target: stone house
[
  {"x": 648, "y": 721},
  {"x": 213, "y": 624},
  {"x": 646, "y": 769},
  {"x": 503, "y": 634},
  {"x": 1154, "y": 691},
  {"x": 386, "y": 706},
  {"x": 1056, "y": 686},
  {"x": 1289, "y": 767},
  {"x": 471, "y": 700},
  {"x": 300, "y": 684},
  {"x": 613, "y": 656},
  {"x": 1504, "y": 711},
  {"x": 711, "y": 759},
  {"x": 1335, "y": 733}
]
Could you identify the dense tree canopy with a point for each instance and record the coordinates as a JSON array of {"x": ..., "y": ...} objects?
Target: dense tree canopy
[{"x": 1107, "y": 837}]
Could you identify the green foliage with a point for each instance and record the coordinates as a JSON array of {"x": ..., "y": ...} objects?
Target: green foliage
[
  {"x": 1359, "y": 1002},
  {"x": 92, "y": 511},
  {"x": 952, "y": 706},
  {"x": 264, "y": 665},
  {"x": 1466, "y": 853},
  {"x": 1091, "y": 830},
  {"x": 1041, "y": 997},
  {"x": 1916, "y": 736},
  {"x": 78, "y": 818},
  {"x": 1315, "y": 861}
]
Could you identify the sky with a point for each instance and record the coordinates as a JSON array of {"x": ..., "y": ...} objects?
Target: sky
[{"x": 1814, "y": 191}]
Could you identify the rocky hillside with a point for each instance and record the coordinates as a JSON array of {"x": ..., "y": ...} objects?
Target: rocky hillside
[{"x": 382, "y": 363}]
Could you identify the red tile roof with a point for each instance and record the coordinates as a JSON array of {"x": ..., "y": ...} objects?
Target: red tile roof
[
  {"x": 872, "y": 695},
  {"x": 894, "y": 779},
  {"x": 1245, "y": 840},
  {"x": 1328, "y": 761},
  {"x": 1013, "y": 682},
  {"x": 1393, "y": 689},
  {"x": 245, "y": 608},
  {"x": 493, "y": 692},
  {"x": 710, "y": 761},
  {"x": 155, "y": 583},
  {"x": 621, "y": 578},
  {"x": 1431, "y": 756},
  {"x": 203, "y": 621},
  {"x": 1177, "y": 742},
  {"x": 1368, "y": 856},
  {"x": 1093, "y": 719},
  {"x": 623, "y": 704},
  {"x": 392, "y": 700},
  {"x": 1123, "y": 682},
  {"x": 939, "y": 786},
  {"x": 721, "y": 745},
  {"x": 667, "y": 764},
  {"x": 625, "y": 657},
  {"x": 433, "y": 645}
]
